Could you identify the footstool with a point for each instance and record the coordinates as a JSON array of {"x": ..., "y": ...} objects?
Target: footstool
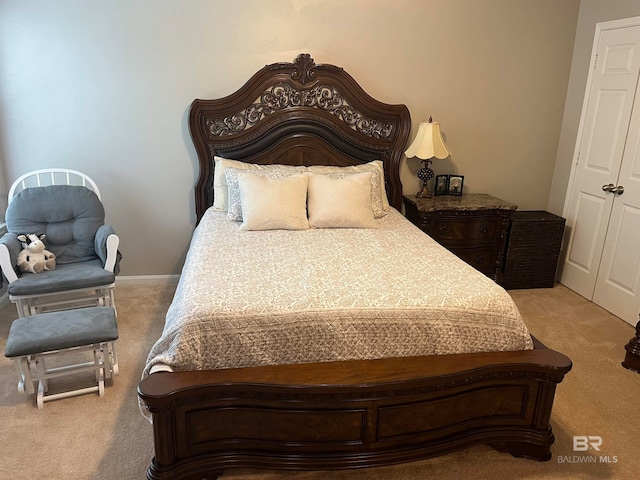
[{"x": 43, "y": 336}]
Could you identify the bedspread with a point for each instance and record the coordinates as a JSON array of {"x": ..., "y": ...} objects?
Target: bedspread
[{"x": 248, "y": 298}]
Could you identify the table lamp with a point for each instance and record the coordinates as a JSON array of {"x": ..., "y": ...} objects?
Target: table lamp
[{"x": 428, "y": 144}]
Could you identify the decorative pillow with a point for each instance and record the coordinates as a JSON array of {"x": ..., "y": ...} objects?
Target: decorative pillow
[
  {"x": 343, "y": 202},
  {"x": 220, "y": 191},
  {"x": 273, "y": 203},
  {"x": 234, "y": 204},
  {"x": 379, "y": 200}
]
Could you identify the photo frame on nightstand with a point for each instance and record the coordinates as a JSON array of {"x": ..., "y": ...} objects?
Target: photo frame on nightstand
[
  {"x": 454, "y": 185},
  {"x": 442, "y": 182}
]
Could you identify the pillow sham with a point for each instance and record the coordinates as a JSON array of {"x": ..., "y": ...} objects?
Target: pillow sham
[
  {"x": 273, "y": 203},
  {"x": 234, "y": 201},
  {"x": 340, "y": 202},
  {"x": 379, "y": 200},
  {"x": 220, "y": 189}
]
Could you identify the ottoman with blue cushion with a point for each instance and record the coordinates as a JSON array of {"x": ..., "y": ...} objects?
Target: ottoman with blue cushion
[{"x": 38, "y": 337}]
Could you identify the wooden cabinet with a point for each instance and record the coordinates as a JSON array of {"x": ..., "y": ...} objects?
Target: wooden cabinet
[{"x": 474, "y": 227}]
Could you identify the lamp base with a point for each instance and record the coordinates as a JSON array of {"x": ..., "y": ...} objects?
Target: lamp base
[
  {"x": 424, "y": 192},
  {"x": 425, "y": 174}
]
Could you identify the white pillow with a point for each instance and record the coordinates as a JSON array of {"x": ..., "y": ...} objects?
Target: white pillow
[
  {"x": 343, "y": 202},
  {"x": 379, "y": 200},
  {"x": 220, "y": 192},
  {"x": 234, "y": 203},
  {"x": 273, "y": 203}
]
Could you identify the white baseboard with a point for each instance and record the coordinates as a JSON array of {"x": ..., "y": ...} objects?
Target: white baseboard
[{"x": 147, "y": 279}]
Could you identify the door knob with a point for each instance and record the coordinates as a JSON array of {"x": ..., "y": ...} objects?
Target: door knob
[{"x": 611, "y": 188}]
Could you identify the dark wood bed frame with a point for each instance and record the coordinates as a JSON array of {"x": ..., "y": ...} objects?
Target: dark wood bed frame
[{"x": 335, "y": 415}]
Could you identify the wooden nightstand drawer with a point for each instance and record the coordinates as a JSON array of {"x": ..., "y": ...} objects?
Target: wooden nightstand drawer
[
  {"x": 466, "y": 229},
  {"x": 474, "y": 227},
  {"x": 483, "y": 259}
]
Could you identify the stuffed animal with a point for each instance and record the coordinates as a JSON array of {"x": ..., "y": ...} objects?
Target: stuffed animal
[{"x": 34, "y": 257}]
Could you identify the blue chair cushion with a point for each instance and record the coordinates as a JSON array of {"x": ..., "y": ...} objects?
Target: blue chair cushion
[
  {"x": 59, "y": 330},
  {"x": 69, "y": 215},
  {"x": 64, "y": 277}
]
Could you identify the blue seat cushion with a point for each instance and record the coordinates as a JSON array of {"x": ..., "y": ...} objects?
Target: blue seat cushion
[
  {"x": 45, "y": 332},
  {"x": 65, "y": 277}
]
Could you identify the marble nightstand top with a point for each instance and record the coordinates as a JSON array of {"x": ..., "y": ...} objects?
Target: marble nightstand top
[{"x": 472, "y": 201}]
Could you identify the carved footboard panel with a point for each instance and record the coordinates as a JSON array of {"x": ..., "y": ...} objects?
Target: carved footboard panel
[{"x": 351, "y": 414}]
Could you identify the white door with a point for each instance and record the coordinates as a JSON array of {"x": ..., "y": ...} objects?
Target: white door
[
  {"x": 619, "y": 275},
  {"x": 605, "y": 123}
]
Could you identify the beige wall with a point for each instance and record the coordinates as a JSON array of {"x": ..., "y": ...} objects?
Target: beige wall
[
  {"x": 591, "y": 12},
  {"x": 105, "y": 87}
]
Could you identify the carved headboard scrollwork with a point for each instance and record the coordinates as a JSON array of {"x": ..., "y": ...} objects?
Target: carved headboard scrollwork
[{"x": 298, "y": 113}]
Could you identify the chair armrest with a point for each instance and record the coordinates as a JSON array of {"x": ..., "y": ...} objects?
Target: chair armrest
[
  {"x": 10, "y": 247},
  {"x": 106, "y": 245}
]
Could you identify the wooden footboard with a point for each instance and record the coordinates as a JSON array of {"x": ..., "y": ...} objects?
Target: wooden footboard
[{"x": 351, "y": 414}]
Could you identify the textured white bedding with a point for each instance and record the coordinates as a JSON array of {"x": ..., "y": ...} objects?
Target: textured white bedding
[{"x": 249, "y": 298}]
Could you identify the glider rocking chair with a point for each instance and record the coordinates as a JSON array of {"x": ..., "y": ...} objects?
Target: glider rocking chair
[{"x": 65, "y": 206}]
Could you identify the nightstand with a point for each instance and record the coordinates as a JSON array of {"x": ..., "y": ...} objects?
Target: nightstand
[{"x": 473, "y": 226}]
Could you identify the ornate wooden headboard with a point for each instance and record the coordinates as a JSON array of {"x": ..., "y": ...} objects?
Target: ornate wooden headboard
[{"x": 299, "y": 113}]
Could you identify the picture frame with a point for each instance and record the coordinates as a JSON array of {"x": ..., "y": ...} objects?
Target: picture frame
[
  {"x": 441, "y": 186},
  {"x": 455, "y": 184}
]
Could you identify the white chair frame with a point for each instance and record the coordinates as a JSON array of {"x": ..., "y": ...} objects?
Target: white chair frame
[
  {"x": 83, "y": 297},
  {"x": 52, "y": 176},
  {"x": 68, "y": 299},
  {"x": 32, "y": 368}
]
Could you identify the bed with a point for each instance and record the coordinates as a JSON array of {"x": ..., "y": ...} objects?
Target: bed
[{"x": 281, "y": 351}]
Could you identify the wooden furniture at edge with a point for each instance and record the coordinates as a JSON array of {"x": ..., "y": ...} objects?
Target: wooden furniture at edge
[
  {"x": 473, "y": 226},
  {"x": 347, "y": 414},
  {"x": 632, "y": 357}
]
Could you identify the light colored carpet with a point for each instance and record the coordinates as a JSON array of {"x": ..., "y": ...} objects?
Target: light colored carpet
[{"x": 88, "y": 437}]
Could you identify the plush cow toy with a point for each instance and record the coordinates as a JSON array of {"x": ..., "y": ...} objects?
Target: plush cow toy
[{"x": 34, "y": 257}]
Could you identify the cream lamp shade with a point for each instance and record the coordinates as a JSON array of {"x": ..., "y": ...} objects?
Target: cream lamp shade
[{"x": 428, "y": 143}]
